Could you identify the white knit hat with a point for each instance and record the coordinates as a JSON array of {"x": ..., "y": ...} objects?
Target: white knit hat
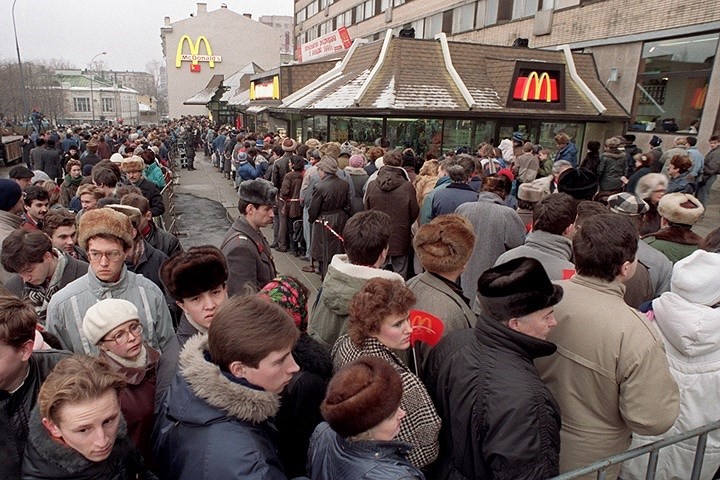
[
  {"x": 695, "y": 278},
  {"x": 105, "y": 315}
]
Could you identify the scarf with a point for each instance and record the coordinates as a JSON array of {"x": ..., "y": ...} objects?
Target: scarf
[
  {"x": 139, "y": 362},
  {"x": 39, "y": 295},
  {"x": 75, "y": 182}
]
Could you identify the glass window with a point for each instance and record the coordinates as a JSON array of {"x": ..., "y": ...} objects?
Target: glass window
[
  {"x": 397, "y": 3},
  {"x": 301, "y": 15},
  {"x": 524, "y": 8},
  {"x": 360, "y": 13},
  {"x": 491, "y": 12},
  {"x": 422, "y": 135},
  {"x": 672, "y": 83},
  {"x": 108, "y": 104},
  {"x": 480, "y": 14},
  {"x": 81, "y": 104},
  {"x": 576, "y": 132},
  {"x": 384, "y": 4},
  {"x": 359, "y": 129},
  {"x": 419, "y": 26},
  {"x": 320, "y": 124},
  {"x": 433, "y": 25},
  {"x": 369, "y": 8},
  {"x": 463, "y": 18},
  {"x": 467, "y": 133}
]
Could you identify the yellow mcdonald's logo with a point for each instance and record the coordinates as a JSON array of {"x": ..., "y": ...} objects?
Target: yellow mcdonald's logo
[
  {"x": 194, "y": 55},
  {"x": 538, "y": 86}
]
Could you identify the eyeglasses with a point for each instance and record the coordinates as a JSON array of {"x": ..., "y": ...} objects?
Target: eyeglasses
[
  {"x": 122, "y": 338},
  {"x": 112, "y": 255}
]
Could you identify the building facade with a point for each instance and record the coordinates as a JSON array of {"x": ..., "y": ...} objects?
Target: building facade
[
  {"x": 657, "y": 58},
  {"x": 218, "y": 42}
]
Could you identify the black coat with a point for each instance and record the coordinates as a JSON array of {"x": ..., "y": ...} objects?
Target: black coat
[
  {"x": 499, "y": 418},
  {"x": 168, "y": 363},
  {"x": 330, "y": 201},
  {"x": 152, "y": 193},
  {"x": 164, "y": 241},
  {"x": 15, "y": 411},
  {"x": 50, "y": 163}
]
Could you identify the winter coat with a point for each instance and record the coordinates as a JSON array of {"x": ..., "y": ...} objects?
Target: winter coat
[
  {"x": 68, "y": 306},
  {"x": 333, "y": 457},
  {"x": 47, "y": 459},
  {"x": 330, "y": 313},
  {"x": 50, "y": 163},
  {"x": 393, "y": 194},
  {"x": 290, "y": 194},
  {"x": 149, "y": 264},
  {"x": 633, "y": 180},
  {"x": 691, "y": 334},
  {"x": 568, "y": 152},
  {"x": 434, "y": 295},
  {"x": 553, "y": 251},
  {"x": 669, "y": 154},
  {"x": 712, "y": 164},
  {"x": 358, "y": 176},
  {"x": 675, "y": 241},
  {"x": 299, "y": 412},
  {"x": 15, "y": 410},
  {"x": 154, "y": 173},
  {"x": 426, "y": 206},
  {"x": 499, "y": 419},
  {"x": 8, "y": 223},
  {"x": 152, "y": 193},
  {"x": 611, "y": 169},
  {"x": 448, "y": 199},
  {"x": 168, "y": 361},
  {"x": 682, "y": 183},
  {"x": 137, "y": 399},
  {"x": 658, "y": 265},
  {"x": 497, "y": 229},
  {"x": 248, "y": 255},
  {"x": 613, "y": 360},
  {"x": 526, "y": 167},
  {"x": 211, "y": 426},
  {"x": 330, "y": 202},
  {"x": 69, "y": 189},
  {"x": 421, "y": 425},
  {"x": 164, "y": 241}
]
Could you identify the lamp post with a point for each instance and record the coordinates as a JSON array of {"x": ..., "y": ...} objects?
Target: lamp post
[
  {"x": 22, "y": 75},
  {"x": 92, "y": 99}
]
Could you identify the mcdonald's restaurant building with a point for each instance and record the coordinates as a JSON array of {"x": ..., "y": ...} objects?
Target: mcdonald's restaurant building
[{"x": 468, "y": 94}]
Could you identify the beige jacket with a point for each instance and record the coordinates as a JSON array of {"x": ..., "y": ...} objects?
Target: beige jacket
[{"x": 610, "y": 374}]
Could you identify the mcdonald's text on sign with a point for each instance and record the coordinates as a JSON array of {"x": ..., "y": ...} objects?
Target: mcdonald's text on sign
[
  {"x": 194, "y": 56},
  {"x": 536, "y": 87}
]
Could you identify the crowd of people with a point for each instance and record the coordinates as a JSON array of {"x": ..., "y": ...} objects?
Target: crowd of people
[{"x": 572, "y": 309}]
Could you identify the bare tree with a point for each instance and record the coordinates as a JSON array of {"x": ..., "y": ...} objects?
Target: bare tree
[{"x": 157, "y": 69}]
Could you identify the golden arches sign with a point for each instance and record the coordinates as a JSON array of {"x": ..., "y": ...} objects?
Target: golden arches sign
[{"x": 194, "y": 55}]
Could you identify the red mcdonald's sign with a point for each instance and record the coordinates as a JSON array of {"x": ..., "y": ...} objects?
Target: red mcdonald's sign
[{"x": 536, "y": 87}]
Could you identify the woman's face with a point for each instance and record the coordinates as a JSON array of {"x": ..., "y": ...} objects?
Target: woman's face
[
  {"x": 75, "y": 171},
  {"x": 128, "y": 331},
  {"x": 395, "y": 331},
  {"x": 389, "y": 428},
  {"x": 657, "y": 194},
  {"x": 88, "y": 427}
]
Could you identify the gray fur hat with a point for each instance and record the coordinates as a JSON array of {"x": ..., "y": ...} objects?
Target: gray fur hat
[{"x": 258, "y": 191}]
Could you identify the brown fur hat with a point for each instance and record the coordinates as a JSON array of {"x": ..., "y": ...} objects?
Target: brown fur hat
[
  {"x": 445, "y": 244},
  {"x": 361, "y": 395},
  {"x": 190, "y": 273},
  {"x": 331, "y": 148},
  {"x": 132, "y": 163},
  {"x": 681, "y": 208},
  {"x": 104, "y": 221}
]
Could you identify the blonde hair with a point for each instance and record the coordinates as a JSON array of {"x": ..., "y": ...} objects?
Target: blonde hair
[{"x": 90, "y": 189}]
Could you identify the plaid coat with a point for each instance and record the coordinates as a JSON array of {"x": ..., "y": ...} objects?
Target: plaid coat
[{"x": 421, "y": 425}]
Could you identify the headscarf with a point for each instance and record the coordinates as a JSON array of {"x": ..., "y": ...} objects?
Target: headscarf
[{"x": 291, "y": 295}]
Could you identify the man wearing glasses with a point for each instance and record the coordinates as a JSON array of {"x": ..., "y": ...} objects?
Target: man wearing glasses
[{"x": 106, "y": 236}]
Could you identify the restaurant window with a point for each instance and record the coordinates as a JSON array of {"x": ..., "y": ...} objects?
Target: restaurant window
[
  {"x": 466, "y": 133},
  {"x": 422, "y": 135},
  {"x": 463, "y": 18},
  {"x": 576, "y": 132},
  {"x": 359, "y": 129},
  {"x": 419, "y": 26},
  {"x": 672, "y": 84}
]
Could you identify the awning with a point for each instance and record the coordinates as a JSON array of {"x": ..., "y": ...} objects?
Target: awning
[
  {"x": 204, "y": 96},
  {"x": 256, "y": 109}
]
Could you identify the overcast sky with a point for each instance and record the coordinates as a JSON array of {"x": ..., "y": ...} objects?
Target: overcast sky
[{"x": 128, "y": 30}]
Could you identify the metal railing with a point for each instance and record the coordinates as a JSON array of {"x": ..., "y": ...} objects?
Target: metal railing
[{"x": 653, "y": 449}]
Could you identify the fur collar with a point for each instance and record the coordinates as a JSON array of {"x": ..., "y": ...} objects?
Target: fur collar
[
  {"x": 207, "y": 382},
  {"x": 341, "y": 263},
  {"x": 676, "y": 234}
]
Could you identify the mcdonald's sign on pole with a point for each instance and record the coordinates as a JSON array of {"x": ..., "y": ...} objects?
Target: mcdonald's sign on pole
[
  {"x": 194, "y": 56},
  {"x": 538, "y": 85}
]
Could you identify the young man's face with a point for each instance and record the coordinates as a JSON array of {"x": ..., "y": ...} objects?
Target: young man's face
[
  {"x": 64, "y": 238},
  {"x": 202, "y": 308},
  {"x": 23, "y": 182},
  {"x": 714, "y": 144},
  {"x": 13, "y": 365},
  {"x": 88, "y": 201},
  {"x": 107, "y": 258},
  {"x": 273, "y": 372},
  {"x": 37, "y": 209},
  {"x": 259, "y": 217},
  {"x": 37, "y": 273}
]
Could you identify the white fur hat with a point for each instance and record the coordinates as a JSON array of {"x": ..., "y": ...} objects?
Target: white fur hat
[
  {"x": 105, "y": 315},
  {"x": 695, "y": 278},
  {"x": 681, "y": 208}
]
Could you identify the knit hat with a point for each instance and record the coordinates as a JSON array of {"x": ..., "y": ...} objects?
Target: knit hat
[
  {"x": 104, "y": 221},
  {"x": 695, "y": 278},
  {"x": 190, "y": 273},
  {"x": 132, "y": 163},
  {"x": 259, "y": 143},
  {"x": 681, "y": 208},
  {"x": 345, "y": 149},
  {"x": 518, "y": 136},
  {"x": 655, "y": 141},
  {"x": 530, "y": 192},
  {"x": 10, "y": 193},
  {"x": 106, "y": 315},
  {"x": 242, "y": 157},
  {"x": 627, "y": 204},
  {"x": 116, "y": 158},
  {"x": 133, "y": 213},
  {"x": 291, "y": 295},
  {"x": 20, "y": 171},
  {"x": 361, "y": 395},
  {"x": 613, "y": 142},
  {"x": 289, "y": 145},
  {"x": 579, "y": 183},
  {"x": 516, "y": 288},
  {"x": 445, "y": 244},
  {"x": 357, "y": 161},
  {"x": 327, "y": 164},
  {"x": 258, "y": 191},
  {"x": 649, "y": 183}
]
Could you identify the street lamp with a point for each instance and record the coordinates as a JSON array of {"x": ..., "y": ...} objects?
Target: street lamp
[
  {"x": 22, "y": 76},
  {"x": 92, "y": 99}
]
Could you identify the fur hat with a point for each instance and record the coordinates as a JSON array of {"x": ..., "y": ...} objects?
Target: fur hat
[
  {"x": 346, "y": 149},
  {"x": 10, "y": 193},
  {"x": 258, "y": 191},
  {"x": 357, "y": 161},
  {"x": 531, "y": 192},
  {"x": 361, "y": 395},
  {"x": 516, "y": 288},
  {"x": 695, "y": 278},
  {"x": 626, "y": 203},
  {"x": 331, "y": 148},
  {"x": 445, "y": 244},
  {"x": 104, "y": 221},
  {"x": 132, "y": 163},
  {"x": 289, "y": 145},
  {"x": 116, "y": 158},
  {"x": 105, "y": 315},
  {"x": 579, "y": 183},
  {"x": 649, "y": 183},
  {"x": 313, "y": 143},
  {"x": 190, "y": 273},
  {"x": 655, "y": 141},
  {"x": 681, "y": 208},
  {"x": 327, "y": 164},
  {"x": 133, "y": 213},
  {"x": 613, "y": 142}
]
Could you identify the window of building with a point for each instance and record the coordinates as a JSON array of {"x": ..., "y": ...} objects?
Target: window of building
[
  {"x": 81, "y": 104},
  {"x": 108, "y": 104},
  {"x": 463, "y": 18},
  {"x": 467, "y": 133},
  {"x": 300, "y": 17},
  {"x": 359, "y": 129},
  {"x": 422, "y": 135},
  {"x": 524, "y": 8},
  {"x": 384, "y": 4},
  {"x": 397, "y": 3},
  {"x": 419, "y": 26},
  {"x": 672, "y": 83},
  {"x": 433, "y": 25}
]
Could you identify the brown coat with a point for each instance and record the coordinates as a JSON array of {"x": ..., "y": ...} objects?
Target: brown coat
[
  {"x": 331, "y": 202},
  {"x": 290, "y": 194},
  {"x": 393, "y": 194}
]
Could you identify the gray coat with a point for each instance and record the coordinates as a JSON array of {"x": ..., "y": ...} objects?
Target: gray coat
[
  {"x": 248, "y": 256},
  {"x": 553, "y": 251}
]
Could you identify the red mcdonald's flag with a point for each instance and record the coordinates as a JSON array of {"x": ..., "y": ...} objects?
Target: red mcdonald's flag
[
  {"x": 426, "y": 327},
  {"x": 536, "y": 87},
  {"x": 195, "y": 68}
]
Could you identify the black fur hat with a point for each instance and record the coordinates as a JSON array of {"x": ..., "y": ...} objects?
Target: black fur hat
[
  {"x": 190, "y": 273},
  {"x": 515, "y": 289},
  {"x": 579, "y": 183},
  {"x": 258, "y": 191}
]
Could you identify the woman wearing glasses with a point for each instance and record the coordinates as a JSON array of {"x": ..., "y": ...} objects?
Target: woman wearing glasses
[{"x": 113, "y": 326}]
